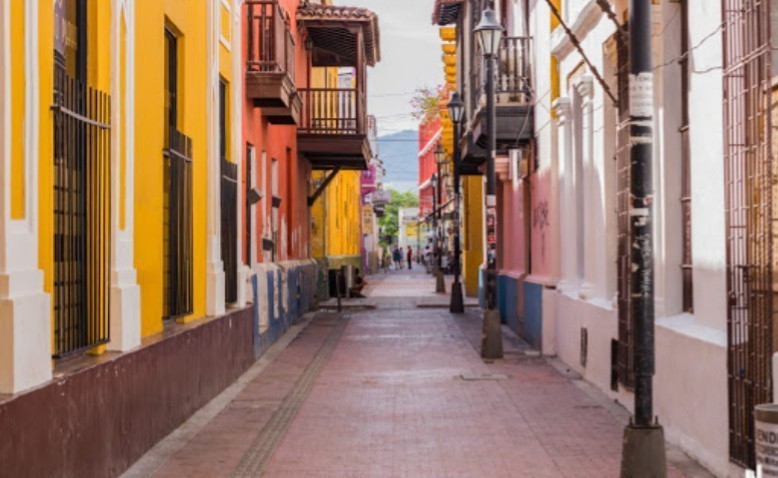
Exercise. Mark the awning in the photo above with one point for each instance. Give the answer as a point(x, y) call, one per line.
point(446, 12)
point(333, 31)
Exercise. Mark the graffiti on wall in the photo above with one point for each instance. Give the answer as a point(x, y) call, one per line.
point(540, 223)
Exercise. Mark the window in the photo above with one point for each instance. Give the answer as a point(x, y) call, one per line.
point(229, 202)
point(177, 216)
point(626, 344)
point(81, 191)
point(686, 177)
point(171, 83)
point(250, 213)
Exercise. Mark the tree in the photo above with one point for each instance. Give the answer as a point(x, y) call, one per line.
point(427, 103)
point(390, 222)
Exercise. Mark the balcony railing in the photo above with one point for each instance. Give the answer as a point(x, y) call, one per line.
point(270, 40)
point(512, 75)
point(333, 111)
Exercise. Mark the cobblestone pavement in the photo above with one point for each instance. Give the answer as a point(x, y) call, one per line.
point(399, 391)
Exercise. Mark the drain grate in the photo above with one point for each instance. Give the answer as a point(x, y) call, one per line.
point(474, 377)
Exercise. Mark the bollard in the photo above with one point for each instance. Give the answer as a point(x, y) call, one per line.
point(766, 438)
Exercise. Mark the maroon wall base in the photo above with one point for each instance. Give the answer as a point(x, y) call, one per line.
point(97, 421)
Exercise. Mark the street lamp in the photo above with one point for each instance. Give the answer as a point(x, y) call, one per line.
point(489, 35)
point(434, 218)
point(440, 159)
point(456, 109)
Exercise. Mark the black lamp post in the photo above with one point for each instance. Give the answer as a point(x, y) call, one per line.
point(456, 109)
point(440, 159)
point(489, 35)
point(434, 215)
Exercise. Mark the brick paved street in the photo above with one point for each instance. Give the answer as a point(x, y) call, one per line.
point(399, 391)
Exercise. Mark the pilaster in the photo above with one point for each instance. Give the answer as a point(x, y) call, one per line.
point(215, 279)
point(25, 309)
point(593, 222)
point(125, 323)
point(562, 109)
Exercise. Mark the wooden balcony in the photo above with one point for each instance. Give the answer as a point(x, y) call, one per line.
point(513, 97)
point(270, 66)
point(332, 132)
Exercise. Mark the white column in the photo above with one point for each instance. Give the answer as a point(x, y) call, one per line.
point(239, 149)
point(214, 304)
point(25, 309)
point(593, 221)
point(567, 208)
point(125, 294)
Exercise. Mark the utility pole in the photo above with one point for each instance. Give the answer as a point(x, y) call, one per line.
point(643, 454)
point(489, 34)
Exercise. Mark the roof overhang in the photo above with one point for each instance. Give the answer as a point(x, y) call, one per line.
point(333, 29)
point(446, 12)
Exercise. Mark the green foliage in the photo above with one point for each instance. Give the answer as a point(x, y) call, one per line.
point(390, 223)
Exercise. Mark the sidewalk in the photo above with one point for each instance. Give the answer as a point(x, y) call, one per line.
point(399, 391)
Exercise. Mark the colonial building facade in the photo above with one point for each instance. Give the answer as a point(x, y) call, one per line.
point(156, 167)
point(563, 190)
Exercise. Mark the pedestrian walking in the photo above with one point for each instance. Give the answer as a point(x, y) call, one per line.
point(398, 258)
point(410, 258)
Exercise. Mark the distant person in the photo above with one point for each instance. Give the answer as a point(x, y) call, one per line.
point(410, 258)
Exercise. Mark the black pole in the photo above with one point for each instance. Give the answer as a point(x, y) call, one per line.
point(439, 215)
point(434, 226)
point(440, 282)
point(491, 197)
point(491, 344)
point(457, 305)
point(641, 114)
point(644, 447)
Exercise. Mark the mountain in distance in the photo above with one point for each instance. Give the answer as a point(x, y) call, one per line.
point(399, 153)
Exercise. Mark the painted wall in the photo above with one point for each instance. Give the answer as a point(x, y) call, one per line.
point(276, 143)
point(472, 239)
point(192, 26)
point(344, 215)
point(579, 151)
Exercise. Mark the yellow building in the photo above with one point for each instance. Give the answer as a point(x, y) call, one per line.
point(335, 138)
point(471, 188)
point(111, 173)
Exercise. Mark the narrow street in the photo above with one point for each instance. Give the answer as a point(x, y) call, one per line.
point(399, 390)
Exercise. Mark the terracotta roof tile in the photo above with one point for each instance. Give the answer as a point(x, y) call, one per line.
point(442, 11)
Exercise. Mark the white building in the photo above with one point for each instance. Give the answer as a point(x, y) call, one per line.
point(582, 160)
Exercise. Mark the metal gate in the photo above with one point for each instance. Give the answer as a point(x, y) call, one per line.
point(749, 216)
point(229, 239)
point(624, 359)
point(82, 156)
point(178, 226)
